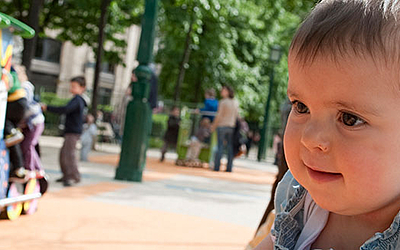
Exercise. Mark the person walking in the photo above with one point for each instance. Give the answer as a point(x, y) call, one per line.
point(171, 135)
point(73, 129)
point(224, 123)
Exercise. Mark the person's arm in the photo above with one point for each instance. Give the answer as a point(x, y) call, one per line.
point(206, 105)
point(220, 111)
point(266, 244)
point(71, 106)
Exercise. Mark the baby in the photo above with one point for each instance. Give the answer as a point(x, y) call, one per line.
point(342, 140)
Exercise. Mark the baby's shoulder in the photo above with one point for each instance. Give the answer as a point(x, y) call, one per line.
point(286, 191)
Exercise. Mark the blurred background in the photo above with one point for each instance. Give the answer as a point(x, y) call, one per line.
point(198, 45)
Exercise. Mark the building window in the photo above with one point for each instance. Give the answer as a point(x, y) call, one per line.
point(48, 50)
point(107, 67)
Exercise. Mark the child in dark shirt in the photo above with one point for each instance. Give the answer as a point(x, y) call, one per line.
point(171, 136)
point(73, 129)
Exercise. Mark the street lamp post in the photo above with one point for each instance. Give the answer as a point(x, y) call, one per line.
point(275, 57)
point(138, 113)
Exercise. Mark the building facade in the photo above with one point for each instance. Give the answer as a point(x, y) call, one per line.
point(55, 63)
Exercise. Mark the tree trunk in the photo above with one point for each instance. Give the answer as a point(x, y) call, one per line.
point(99, 55)
point(30, 44)
point(197, 86)
point(185, 60)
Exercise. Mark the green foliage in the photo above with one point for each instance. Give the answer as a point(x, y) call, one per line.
point(159, 125)
point(105, 108)
point(155, 142)
point(52, 99)
point(230, 44)
point(77, 21)
point(52, 120)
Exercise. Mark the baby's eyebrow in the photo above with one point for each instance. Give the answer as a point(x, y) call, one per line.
point(363, 109)
point(290, 93)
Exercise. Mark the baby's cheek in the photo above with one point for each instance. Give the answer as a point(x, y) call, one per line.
point(361, 166)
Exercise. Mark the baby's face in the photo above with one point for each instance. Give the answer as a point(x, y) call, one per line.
point(342, 141)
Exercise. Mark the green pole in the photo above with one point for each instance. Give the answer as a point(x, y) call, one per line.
point(262, 147)
point(138, 113)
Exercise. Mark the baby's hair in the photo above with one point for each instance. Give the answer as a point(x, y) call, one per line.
point(210, 92)
point(362, 28)
point(80, 80)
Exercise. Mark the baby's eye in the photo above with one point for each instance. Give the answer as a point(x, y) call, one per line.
point(351, 120)
point(299, 107)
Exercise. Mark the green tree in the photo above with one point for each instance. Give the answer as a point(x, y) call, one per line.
point(229, 43)
point(77, 21)
point(81, 22)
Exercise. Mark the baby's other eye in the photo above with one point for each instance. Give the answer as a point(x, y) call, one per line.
point(351, 120)
point(299, 107)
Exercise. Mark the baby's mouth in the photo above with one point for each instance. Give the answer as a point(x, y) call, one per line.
point(322, 176)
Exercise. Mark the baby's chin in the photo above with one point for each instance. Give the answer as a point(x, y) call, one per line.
point(336, 205)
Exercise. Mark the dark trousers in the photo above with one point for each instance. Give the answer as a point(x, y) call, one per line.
point(68, 162)
point(225, 138)
point(165, 147)
point(14, 114)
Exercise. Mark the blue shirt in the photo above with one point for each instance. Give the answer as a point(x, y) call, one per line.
point(289, 208)
point(210, 105)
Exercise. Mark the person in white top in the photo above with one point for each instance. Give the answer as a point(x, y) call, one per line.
point(224, 123)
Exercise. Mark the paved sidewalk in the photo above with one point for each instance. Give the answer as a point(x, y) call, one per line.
point(173, 208)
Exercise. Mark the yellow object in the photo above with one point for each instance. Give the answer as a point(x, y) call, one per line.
point(18, 94)
point(264, 230)
point(29, 189)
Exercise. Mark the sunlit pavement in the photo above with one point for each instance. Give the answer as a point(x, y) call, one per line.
point(173, 208)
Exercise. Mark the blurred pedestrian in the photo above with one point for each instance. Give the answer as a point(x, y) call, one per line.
point(32, 127)
point(210, 105)
point(171, 135)
point(17, 107)
point(89, 132)
point(224, 123)
point(249, 142)
point(73, 129)
point(197, 142)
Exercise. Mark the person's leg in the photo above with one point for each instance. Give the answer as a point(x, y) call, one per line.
point(191, 152)
point(31, 139)
point(220, 149)
point(85, 150)
point(71, 170)
point(196, 149)
point(26, 147)
point(229, 145)
point(16, 160)
point(63, 161)
point(37, 163)
point(163, 150)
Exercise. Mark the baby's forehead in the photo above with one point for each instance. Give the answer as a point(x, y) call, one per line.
point(351, 70)
point(346, 62)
